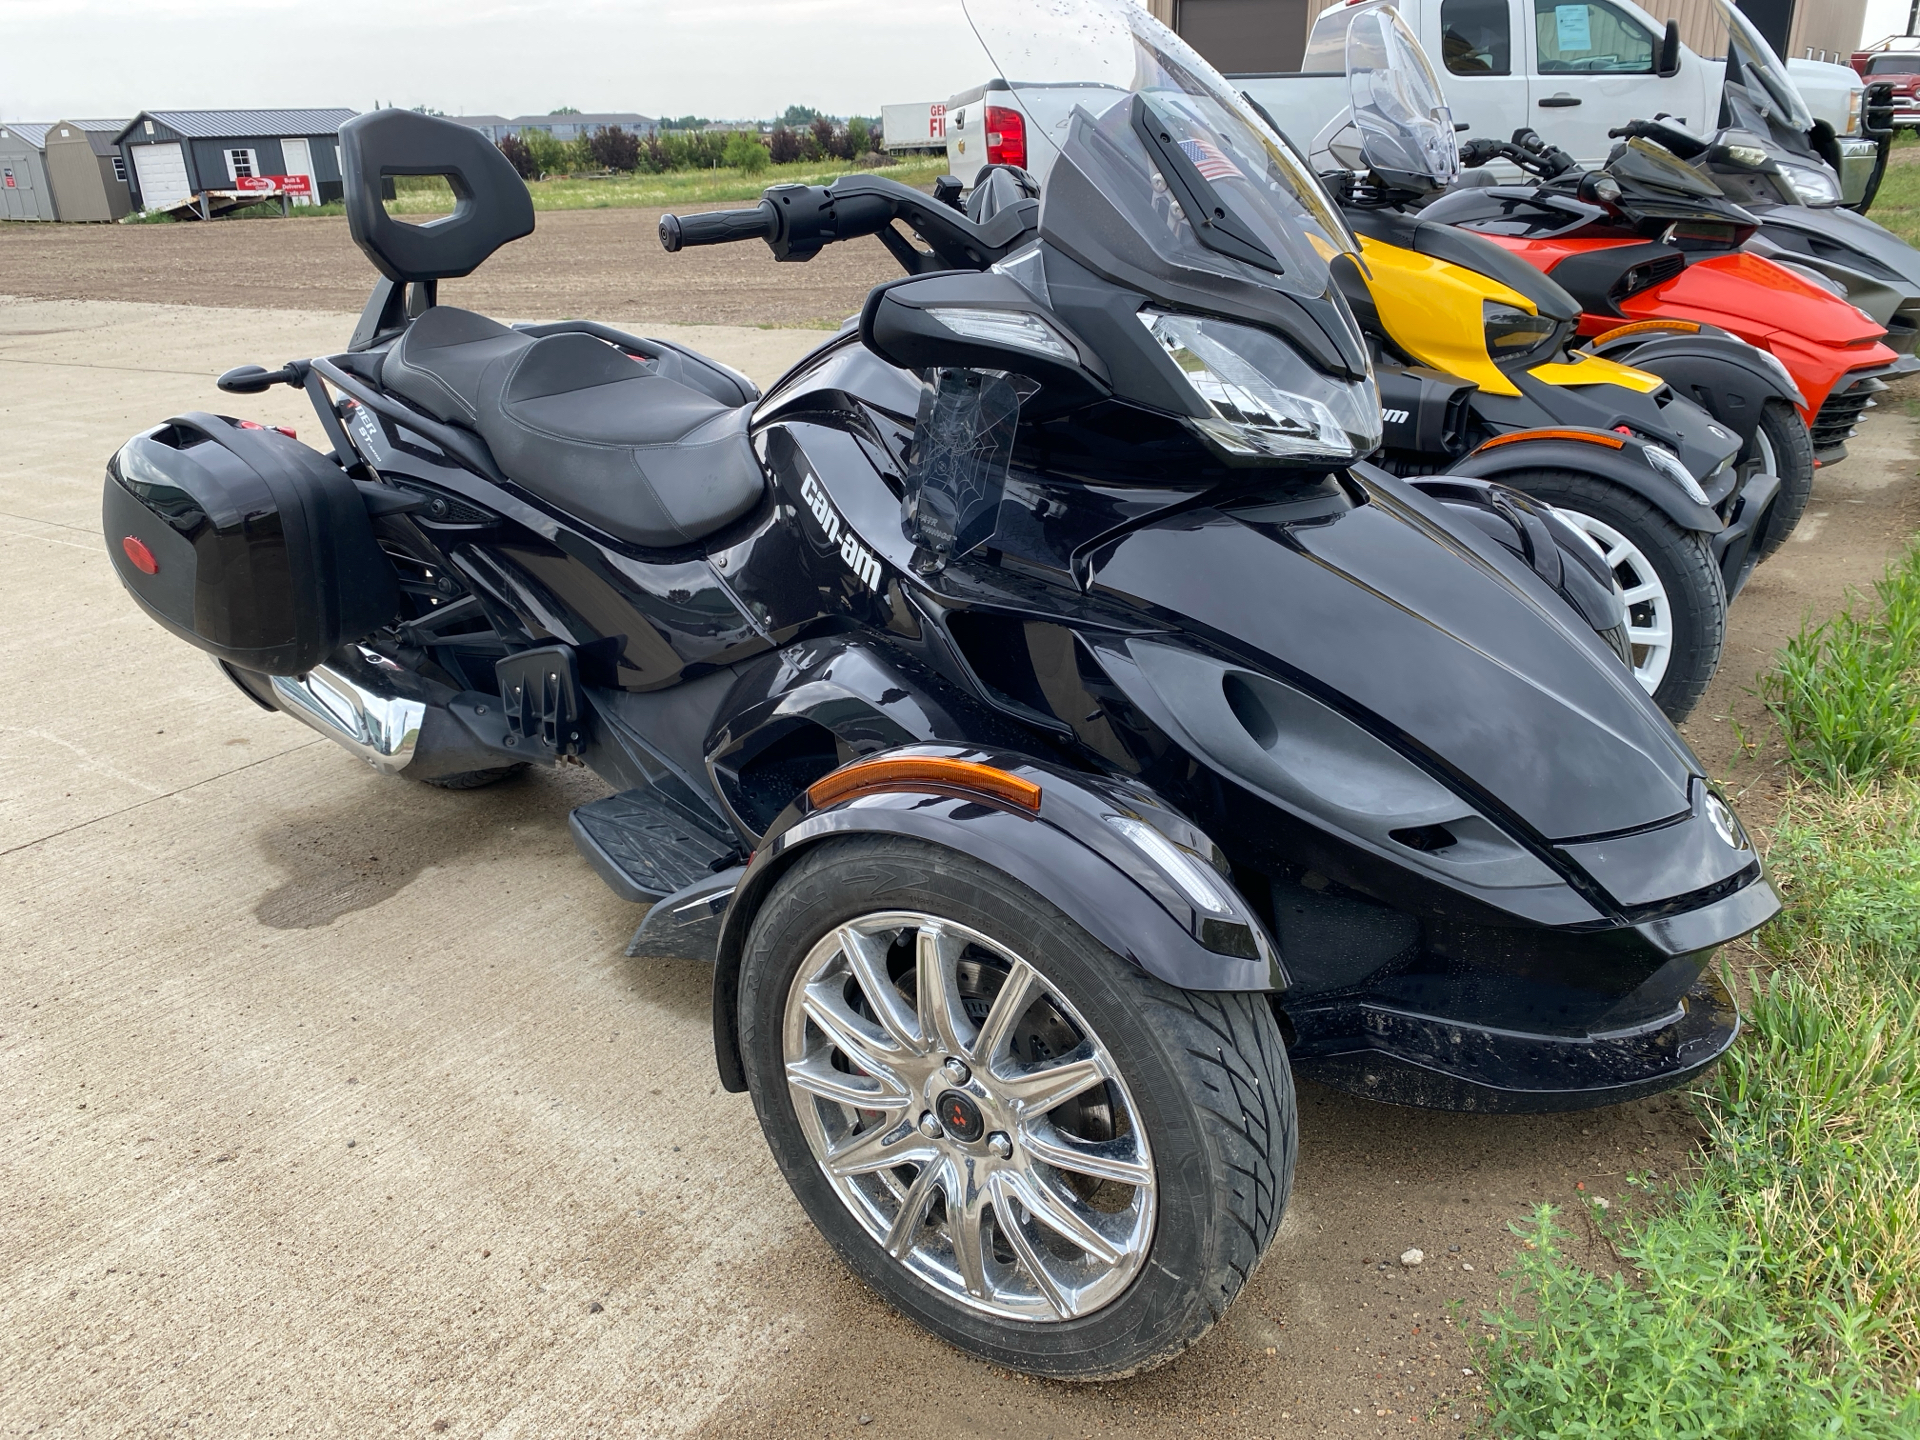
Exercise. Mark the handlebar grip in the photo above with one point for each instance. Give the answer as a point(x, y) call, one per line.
point(718, 227)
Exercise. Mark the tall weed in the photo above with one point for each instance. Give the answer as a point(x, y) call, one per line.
point(1777, 1294)
point(1847, 692)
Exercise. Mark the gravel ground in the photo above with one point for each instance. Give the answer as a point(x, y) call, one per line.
point(576, 263)
point(329, 1104)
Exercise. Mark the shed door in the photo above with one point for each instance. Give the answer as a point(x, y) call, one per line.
point(16, 188)
point(296, 158)
point(162, 172)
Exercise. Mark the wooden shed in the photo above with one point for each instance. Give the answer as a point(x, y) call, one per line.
point(24, 192)
point(87, 171)
point(173, 156)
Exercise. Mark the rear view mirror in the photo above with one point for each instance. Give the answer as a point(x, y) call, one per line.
point(981, 322)
point(1669, 65)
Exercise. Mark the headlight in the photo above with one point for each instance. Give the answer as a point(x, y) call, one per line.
point(1779, 367)
point(1856, 102)
point(1668, 464)
point(1514, 334)
point(1017, 328)
point(1197, 880)
point(1812, 183)
point(1266, 401)
point(1752, 156)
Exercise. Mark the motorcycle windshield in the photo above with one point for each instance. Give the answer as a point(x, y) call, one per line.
point(1758, 94)
point(1405, 126)
point(1641, 163)
point(1168, 142)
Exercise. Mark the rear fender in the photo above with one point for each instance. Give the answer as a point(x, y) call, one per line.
point(1066, 852)
point(1620, 459)
point(1725, 376)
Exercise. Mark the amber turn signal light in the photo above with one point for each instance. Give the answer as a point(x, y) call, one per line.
point(1590, 437)
point(925, 772)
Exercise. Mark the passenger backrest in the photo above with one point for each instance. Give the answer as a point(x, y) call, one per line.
point(491, 204)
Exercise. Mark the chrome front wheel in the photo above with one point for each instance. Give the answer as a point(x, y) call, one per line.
point(968, 1117)
point(976, 1102)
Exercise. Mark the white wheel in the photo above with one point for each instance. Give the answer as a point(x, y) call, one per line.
point(1649, 608)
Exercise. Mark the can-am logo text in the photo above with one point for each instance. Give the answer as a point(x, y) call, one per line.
point(860, 560)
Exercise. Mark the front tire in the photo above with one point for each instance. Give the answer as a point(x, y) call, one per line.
point(1111, 1156)
point(1676, 601)
point(1782, 446)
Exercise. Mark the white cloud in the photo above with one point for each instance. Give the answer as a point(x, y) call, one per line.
point(721, 58)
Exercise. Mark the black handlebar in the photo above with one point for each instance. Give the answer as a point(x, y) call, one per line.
point(797, 221)
point(719, 227)
point(1684, 145)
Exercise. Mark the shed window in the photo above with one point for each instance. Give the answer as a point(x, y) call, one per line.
point(240, 164)
point(120, 168)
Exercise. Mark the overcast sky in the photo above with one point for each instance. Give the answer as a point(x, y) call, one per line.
point(77, 59)
point(726, 59)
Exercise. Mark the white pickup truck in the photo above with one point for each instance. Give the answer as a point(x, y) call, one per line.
point(1571, 71)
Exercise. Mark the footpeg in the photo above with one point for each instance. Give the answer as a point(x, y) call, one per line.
point(647, 847)
point(540, 691)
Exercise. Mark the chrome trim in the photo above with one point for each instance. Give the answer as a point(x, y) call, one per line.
point(381, 729)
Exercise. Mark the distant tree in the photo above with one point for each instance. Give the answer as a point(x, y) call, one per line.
point(745, 153)
point(520, 157)
point(554, 156)
point(686, 122)
point(798, 117)
point(564, 110)
point(614, 149)
point(825, 142)
point(427, 110)
point(859, 137)
point(783, 146)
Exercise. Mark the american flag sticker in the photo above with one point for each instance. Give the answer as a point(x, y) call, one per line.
point(1208, 160)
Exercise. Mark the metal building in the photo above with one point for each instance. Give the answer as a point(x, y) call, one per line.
point(86, 170)
point(575, 126)
point(174, 156)
point(24, 192)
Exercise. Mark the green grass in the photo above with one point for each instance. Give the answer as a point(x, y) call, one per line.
point(1847, 692)
point(1897, 205)
point(430, 196)
point(1776, 1293)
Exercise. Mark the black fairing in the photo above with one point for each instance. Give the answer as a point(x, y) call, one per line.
point(1078, 218)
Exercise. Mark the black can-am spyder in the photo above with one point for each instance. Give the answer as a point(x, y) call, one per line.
point(1041, 720)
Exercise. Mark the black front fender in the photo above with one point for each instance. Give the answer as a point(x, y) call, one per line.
point(1507, 458)
point(1721, 373)
point(1067, 853)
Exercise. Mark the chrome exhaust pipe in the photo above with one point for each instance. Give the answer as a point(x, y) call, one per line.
point(382, 730)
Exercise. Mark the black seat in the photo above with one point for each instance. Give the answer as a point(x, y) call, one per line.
point(437, 363)
point(626, 444)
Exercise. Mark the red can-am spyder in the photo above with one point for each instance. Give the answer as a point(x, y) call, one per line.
point(1649, 246)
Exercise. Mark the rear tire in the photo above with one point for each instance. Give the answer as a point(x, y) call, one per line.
point(1196, 1112)
point(473, 779)
point(1781, 442)
point(1676, 602)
